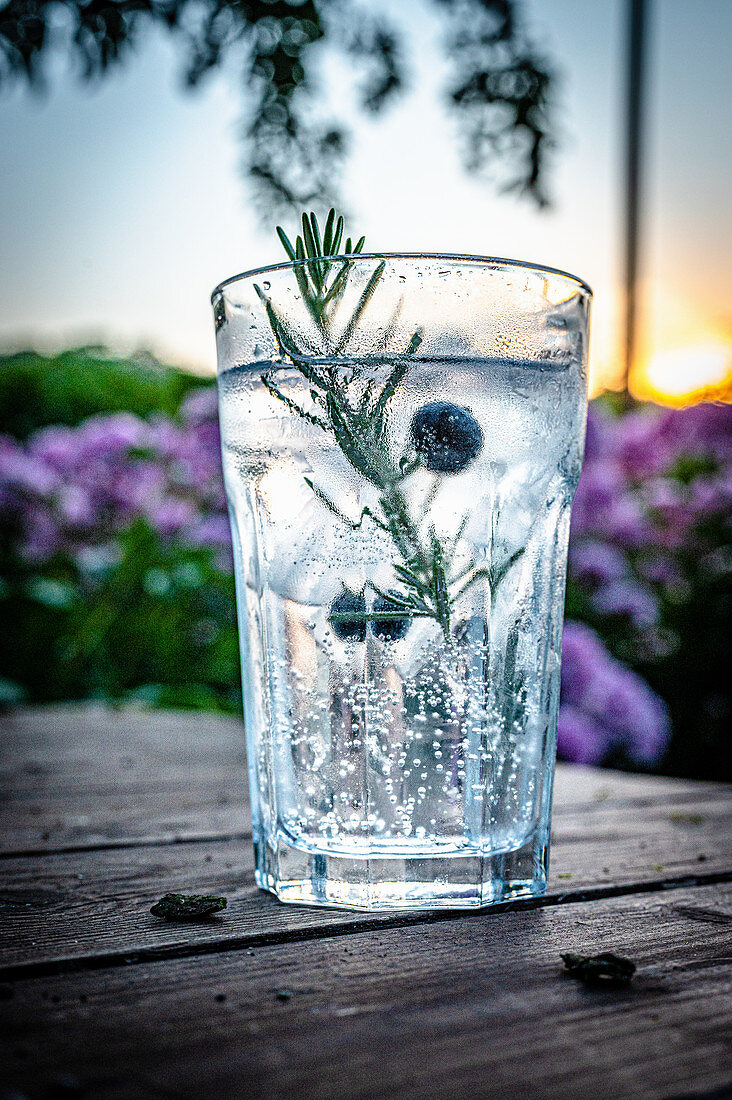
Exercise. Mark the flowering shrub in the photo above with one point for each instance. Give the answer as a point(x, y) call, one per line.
point(605, 706)
point(650, 565)
point(653, 506)
point(117, 567)
point(74, 491)
point(116, 561)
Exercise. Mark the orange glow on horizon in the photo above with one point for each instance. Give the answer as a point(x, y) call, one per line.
point(686, 375)
point(684, 352)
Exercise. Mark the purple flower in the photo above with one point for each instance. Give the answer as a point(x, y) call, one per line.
point(166, 437)
point(56, 447)
point(24, 473)
point(134, 488)
point(71, 489)
point(598, 439)
point(711, 498)
point(213, 531)
point(650, 440)
point(661, 569)
point(580, 739)
point(594, 563)
point(642, 443)
point(667, 502)
point(627, 599)
point(200, 405)
point(632, 712)
point(42, 537)
point(609, 704)
point(596, 494)
point(604, 506)
point(171, 516)
point(583, 656)
point(702, 429)
point(635, 525)
point(108, 436)
point(76, 507)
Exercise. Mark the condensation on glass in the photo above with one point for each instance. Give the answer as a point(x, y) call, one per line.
point(398, 757)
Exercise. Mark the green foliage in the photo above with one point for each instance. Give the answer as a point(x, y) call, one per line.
point(157, 629)
point(693, 676)
point(154, 623)
point(36, 390)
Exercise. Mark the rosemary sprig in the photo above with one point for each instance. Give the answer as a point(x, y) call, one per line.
point(430, 586)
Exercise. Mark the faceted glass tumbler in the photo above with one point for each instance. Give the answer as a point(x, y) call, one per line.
point(402, 437)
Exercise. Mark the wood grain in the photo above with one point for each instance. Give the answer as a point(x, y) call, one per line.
point(85, 776)
point(82, 776)
point(105, 810)
point(474, 1006)
point(73, 906)
point(90, 905)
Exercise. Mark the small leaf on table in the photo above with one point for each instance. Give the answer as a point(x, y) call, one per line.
point(603, 969)
point(187, 906)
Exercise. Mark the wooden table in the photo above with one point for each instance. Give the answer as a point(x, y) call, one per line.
point(107, 810)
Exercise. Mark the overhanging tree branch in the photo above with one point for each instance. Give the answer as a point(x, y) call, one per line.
point(500, 93)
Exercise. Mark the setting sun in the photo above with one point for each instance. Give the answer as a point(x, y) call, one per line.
point(687, 373)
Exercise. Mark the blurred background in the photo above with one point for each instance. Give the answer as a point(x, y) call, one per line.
point(148, 149)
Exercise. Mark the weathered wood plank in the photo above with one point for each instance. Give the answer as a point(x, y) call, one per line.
point(468, 1007)
point(87, 775)
point(82, 776)
point(69, 906)
point(611, 830)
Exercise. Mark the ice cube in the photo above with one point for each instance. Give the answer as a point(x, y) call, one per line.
point(315, 556)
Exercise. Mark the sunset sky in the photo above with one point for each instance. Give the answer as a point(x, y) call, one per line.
point(122, 204)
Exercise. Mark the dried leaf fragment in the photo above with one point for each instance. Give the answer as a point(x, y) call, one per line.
point(603, 969)
point(187, 906)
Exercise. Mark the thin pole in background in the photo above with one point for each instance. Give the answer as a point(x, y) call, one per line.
point(636, 46)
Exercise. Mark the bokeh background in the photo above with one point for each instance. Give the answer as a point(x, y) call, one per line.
point(148, 148)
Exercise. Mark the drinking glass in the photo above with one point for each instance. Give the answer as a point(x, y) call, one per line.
point(402, 437)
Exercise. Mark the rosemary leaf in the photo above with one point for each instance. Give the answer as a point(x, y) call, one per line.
point(338, 284)
point(354, 524)
point(345, 440)
point(421, 565)
point(415, 341)
point(328, 232)
point(286, 243)
point(312, 251)
point(439, 585)
point(392, 597)
point(497, 574)
point(293, 405)
point(390, 388)
point(272, 318)
point(337, 237)
point(315, 230)
point(362, 303)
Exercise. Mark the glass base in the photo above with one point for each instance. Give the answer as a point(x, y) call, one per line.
point(469, 880)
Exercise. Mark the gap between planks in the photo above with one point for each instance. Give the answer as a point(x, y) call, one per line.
point(365, 923)
point(123, 845)
point(456, 1010)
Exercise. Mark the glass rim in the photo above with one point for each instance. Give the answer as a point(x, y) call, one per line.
point(456, 257)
